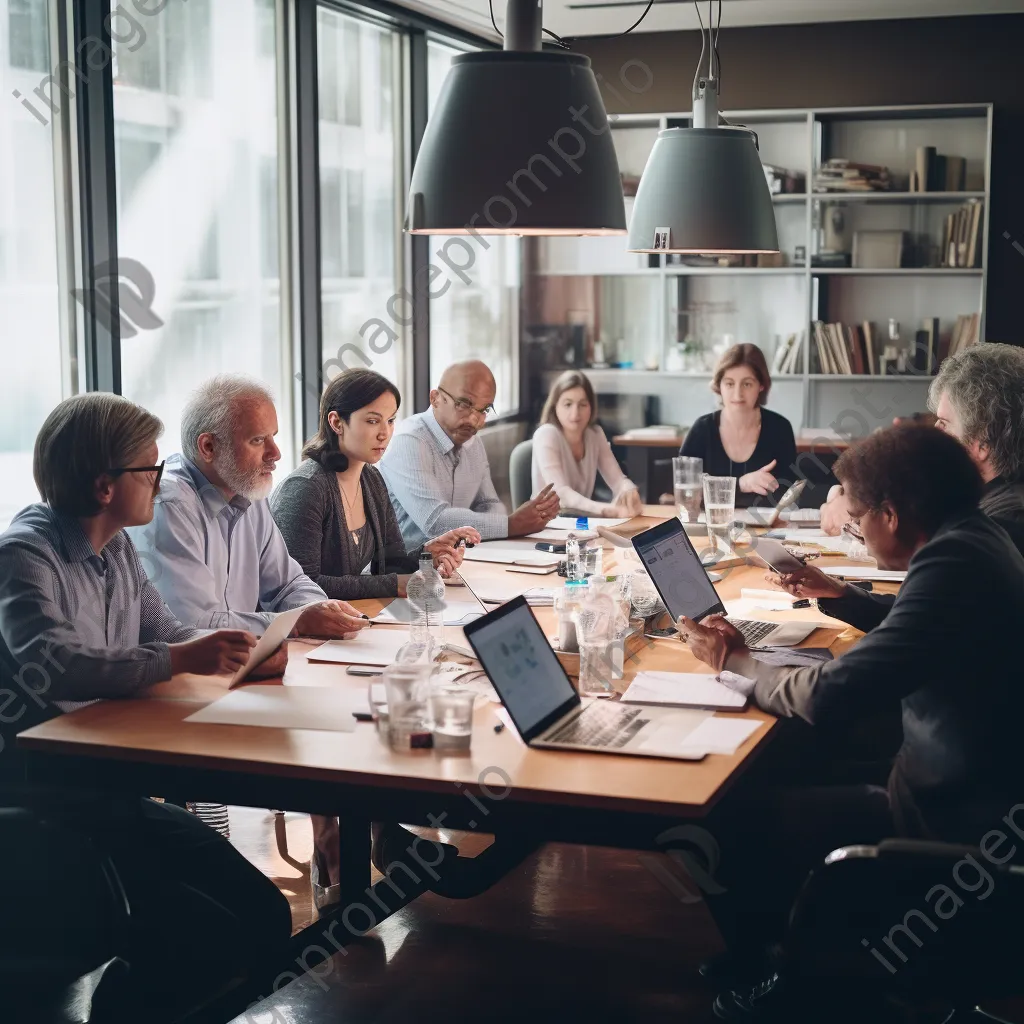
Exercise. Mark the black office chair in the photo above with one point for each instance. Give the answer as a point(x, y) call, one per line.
point(63, 917)
point(862, 924)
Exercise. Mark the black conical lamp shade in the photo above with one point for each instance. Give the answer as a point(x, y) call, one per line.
point(519, 144)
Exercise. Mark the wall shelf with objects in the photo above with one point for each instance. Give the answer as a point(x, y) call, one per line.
point(883, 227)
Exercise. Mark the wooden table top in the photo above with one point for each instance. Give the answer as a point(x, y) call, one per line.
point(805, 442)
point(152, 729)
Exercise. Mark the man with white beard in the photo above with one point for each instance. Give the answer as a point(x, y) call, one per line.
point(212, 548)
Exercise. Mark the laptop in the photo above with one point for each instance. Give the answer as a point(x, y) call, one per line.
point(676, 570)
point(545, 707)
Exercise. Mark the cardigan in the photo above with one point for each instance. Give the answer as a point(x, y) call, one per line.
point(308, 509)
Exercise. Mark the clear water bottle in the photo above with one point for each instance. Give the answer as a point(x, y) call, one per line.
point(425, 592)
point(573, 562)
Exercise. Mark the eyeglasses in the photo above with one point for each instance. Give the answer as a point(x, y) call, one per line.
point(463, 405)
point(159, 470)
point(852, 526)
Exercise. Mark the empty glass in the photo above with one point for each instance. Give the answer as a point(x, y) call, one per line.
point(452, 712)
point(592, 558)
point(687, 476)
point(407, 687)
point(597, 625)
point(645, 596)
point(566, 601)
point(719, 509)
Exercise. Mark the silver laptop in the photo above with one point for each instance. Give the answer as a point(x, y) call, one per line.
point(676, 570)
point(547, 710)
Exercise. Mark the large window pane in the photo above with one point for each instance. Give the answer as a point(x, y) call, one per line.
point(30, 384)
point(479, 320)
point(195, 111)
point(359, 211)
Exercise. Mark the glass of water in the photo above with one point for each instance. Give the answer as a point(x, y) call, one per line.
point(407, 690)
point(452, 711)
point(686, 479)
point(719, 509)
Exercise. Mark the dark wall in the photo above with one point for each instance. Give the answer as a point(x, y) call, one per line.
point(852, 64)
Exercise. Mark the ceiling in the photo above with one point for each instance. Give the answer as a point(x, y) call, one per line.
point(612, 17)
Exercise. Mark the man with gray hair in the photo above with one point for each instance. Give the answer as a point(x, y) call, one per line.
point(978, 397)
point(213, 549)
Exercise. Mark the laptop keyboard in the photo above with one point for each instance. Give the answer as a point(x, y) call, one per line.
point(753, 631)
point(601, 725)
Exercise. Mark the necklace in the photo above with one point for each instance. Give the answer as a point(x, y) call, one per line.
point(350, 505)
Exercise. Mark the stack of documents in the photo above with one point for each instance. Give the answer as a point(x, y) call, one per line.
point(683, 690)
point(456, 613)
point(509, 554)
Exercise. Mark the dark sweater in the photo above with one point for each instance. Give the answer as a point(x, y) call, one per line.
point(308, 509)
point(948, 647)
point(776, 441)
point(1003, 501)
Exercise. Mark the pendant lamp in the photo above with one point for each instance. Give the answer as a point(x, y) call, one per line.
point(518, 144)
point(704, 189)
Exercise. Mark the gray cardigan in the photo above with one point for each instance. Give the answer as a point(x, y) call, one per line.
point(308, 510)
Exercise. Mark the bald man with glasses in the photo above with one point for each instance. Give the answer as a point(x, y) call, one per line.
point(437, 471)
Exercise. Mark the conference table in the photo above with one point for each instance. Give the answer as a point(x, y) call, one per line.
point(144, 747)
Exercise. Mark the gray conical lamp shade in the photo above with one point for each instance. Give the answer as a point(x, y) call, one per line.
point(519, 144)
point(703, 191)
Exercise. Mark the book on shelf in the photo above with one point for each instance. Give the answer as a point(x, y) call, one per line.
point(965, 333)
point(961, 236)
point(937, 172)
point(850, 349)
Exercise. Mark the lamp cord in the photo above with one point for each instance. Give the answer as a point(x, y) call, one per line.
point(564, 42)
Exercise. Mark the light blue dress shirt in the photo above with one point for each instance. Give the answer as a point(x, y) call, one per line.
point(436, 486)
point(218, 564)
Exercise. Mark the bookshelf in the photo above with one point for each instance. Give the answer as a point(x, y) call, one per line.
point(644, 306)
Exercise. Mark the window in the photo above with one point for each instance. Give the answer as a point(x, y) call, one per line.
point(479, 320)
point(195, 130)
point(30, 42)
point(33, 364)
point(360, 212)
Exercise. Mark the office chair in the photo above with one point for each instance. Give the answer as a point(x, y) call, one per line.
point(872, 915)
point(520, 472)
point(63, 916)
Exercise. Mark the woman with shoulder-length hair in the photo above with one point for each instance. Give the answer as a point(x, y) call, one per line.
point(743, 439)
point(334, 511)
point(570, 449)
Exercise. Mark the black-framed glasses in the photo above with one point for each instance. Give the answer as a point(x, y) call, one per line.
point(159, 470)
point(464, 405)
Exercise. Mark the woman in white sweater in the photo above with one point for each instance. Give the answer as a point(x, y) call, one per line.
point(569, 449)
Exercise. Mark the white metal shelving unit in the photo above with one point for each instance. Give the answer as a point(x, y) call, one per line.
point(800, 140)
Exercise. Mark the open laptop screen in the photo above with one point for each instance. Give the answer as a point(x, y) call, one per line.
point(675, 569)
point(525, 670)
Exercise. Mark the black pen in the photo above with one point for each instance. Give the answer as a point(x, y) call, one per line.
point(368, 619)
point(499, 727)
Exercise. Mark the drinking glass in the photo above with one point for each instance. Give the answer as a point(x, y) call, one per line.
point(452, 712)
point(566, 601)
point(378, 700)
point(686, 479)
point(592, 560)
point(719, 509)
point(596, 627)
point(646, 599)
point(407, 687)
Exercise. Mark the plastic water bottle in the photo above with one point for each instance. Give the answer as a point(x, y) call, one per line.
point(425, 592)
point(573, 562)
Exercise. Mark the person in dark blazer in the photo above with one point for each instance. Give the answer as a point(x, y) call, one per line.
point(334, 511)
point(743, 439)
point(337, 520)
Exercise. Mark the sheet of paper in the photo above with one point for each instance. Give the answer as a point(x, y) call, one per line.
point(565, 523)
point(373, 646)
point(280, 626)
point(492, 592)
point(558, 536)
point(865, 572)
point(285, 707)
point(794, 657)
point(456, 613)
point(718, 735)
point(690, 688)
point(508, 555)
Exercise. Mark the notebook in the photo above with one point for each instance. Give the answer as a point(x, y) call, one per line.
point(683, 690)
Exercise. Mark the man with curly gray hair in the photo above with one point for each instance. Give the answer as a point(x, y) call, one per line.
point(978, 397)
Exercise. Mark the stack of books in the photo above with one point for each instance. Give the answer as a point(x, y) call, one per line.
point(845, 348)
point(961, 236)
point(841, 175)
point(787, 355)
point(965, 333)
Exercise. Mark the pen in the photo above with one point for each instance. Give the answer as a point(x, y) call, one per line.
point(499, 727)
point(368, 619)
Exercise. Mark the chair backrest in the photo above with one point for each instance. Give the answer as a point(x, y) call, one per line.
point(520, 472)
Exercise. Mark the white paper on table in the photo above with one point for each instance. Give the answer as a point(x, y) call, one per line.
point(277, 632)
point(865, 572)
point(682, 689)
point(401, 612)
point(492, 592)
point(720, 735)
point(285, 707)
point(370, 646)
point(566, 523)
point(510, 555)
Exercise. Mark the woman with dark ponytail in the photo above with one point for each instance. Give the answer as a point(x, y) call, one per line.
point(334, 510)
